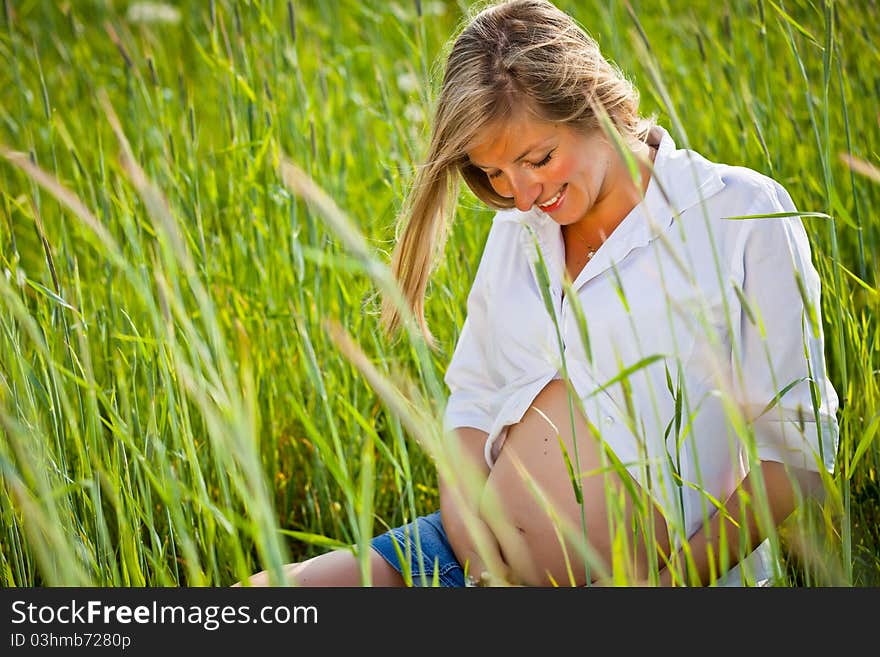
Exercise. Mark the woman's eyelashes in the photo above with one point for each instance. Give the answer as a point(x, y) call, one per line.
point(538, 165)
point(533, 165)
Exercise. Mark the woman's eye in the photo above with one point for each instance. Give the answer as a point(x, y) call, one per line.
point(538, 165)
point(534, 165)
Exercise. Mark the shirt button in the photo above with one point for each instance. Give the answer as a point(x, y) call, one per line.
point(609, 419)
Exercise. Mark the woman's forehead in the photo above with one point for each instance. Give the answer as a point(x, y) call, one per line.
point(509, 139)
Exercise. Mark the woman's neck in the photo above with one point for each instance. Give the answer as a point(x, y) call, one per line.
point(617, 197)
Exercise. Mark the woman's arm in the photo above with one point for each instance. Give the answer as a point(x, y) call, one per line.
point(707, 545)
point(460, 493)
point(779, 378)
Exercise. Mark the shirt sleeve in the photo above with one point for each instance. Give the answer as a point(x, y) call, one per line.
point(781, 376)
point(468, 376)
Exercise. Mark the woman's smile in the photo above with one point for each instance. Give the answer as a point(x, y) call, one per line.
point(554, 203)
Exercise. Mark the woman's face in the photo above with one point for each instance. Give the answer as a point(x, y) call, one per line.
point(554, 167)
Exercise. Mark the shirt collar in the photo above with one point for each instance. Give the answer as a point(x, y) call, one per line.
point(682, 179)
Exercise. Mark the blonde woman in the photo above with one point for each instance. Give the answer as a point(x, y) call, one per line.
point(638, 391)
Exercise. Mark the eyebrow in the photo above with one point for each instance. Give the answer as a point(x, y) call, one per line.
point(526, 152)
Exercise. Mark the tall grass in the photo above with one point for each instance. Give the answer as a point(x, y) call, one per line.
point(193, 384)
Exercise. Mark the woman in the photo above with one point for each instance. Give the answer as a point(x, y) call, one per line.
point(635, 365)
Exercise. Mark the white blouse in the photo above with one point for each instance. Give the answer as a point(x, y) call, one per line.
point(715, 320)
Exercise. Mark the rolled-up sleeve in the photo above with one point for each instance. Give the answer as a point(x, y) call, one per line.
point(781, 377)
point(471, 387)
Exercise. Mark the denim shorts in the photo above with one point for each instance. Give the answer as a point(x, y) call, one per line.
point(437, 556)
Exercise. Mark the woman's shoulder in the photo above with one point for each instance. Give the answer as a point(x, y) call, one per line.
point(741, 187)
point(744, 199)
point(752, 191)
point(692, 180)
point(744, 207)
point(506, 235)
point(502, 236)
point(753, 206)
point(756, 215)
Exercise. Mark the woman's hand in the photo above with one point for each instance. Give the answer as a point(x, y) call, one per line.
point(781, 487)
point(462, 480)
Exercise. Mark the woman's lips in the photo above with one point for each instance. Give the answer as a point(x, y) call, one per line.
point(553, 204)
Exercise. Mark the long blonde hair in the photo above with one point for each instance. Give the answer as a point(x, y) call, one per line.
point(511, 57)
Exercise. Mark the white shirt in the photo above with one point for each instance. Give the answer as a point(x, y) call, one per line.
point(715, 302)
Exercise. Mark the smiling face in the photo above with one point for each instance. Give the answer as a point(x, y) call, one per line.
point(563, 172)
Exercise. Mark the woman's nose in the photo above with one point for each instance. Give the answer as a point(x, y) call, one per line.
point(525, 192)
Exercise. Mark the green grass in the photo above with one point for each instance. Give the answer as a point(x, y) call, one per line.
point(173, 407)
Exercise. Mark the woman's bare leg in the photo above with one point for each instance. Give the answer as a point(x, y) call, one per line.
point(336, 568)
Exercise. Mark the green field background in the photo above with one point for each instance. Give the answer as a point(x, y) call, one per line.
point(173, 408)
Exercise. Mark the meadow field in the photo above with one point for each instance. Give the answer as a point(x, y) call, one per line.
point(197, 205)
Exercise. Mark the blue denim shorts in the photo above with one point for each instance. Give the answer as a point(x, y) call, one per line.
point(437, 556)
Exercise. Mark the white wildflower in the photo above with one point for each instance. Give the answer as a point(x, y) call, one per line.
point(413, 113)
point(152, 12)
point(407, 82)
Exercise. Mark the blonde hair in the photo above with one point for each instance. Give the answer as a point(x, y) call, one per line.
point(511, 57)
